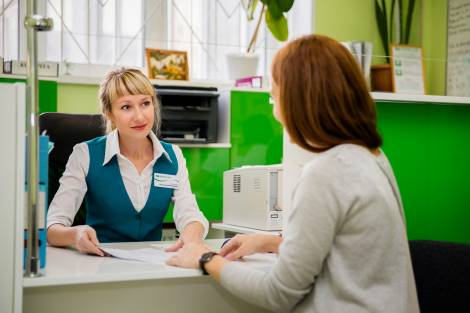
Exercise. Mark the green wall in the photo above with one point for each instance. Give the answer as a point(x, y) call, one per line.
point(435, 45)
point(346, 20)
point(77, 98)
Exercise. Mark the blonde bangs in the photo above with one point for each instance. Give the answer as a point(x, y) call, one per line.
point(128, 84)
point(125, 82)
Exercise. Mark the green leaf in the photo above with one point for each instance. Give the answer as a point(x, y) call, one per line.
point(409, 18)
point(400, 18)
point(250, 7)
point(381, 17)
point(278, 27)
point(274, 9)
point(285, 5)
point(391, 22)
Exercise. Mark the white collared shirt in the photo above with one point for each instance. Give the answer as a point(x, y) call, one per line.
point(73, 185)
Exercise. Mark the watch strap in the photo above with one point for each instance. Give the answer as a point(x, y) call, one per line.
point(206, 257)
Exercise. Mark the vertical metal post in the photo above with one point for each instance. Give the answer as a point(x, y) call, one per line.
point(32, 23)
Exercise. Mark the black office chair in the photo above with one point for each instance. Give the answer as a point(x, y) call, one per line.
point(65, 130)
point(442, 274)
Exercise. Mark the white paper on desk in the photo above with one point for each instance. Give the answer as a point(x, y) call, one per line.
point(148, 255)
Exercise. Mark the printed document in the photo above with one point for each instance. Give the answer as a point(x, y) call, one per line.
point(148, 255)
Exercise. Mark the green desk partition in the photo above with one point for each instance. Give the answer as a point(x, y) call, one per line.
point(206, 167)
point(256, 139)
point(47, 93)
point(429, 148)
point(255, 135)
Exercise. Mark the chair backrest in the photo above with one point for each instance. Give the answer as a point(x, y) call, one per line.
point(442, 274)
point(66, 130)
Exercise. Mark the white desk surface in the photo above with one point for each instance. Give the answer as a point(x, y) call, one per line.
point(77, 283)
point(243, 230)
point(66, 266)
point(69, 267)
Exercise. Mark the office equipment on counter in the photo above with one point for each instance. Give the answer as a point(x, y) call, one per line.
point(253, 197)
point(189, 114)
point(42, 203)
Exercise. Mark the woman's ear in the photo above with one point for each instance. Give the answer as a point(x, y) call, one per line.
point(110, 120)
point(109, 116)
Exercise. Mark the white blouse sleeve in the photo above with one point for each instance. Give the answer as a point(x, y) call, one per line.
point(72, 188)
point(186, 209)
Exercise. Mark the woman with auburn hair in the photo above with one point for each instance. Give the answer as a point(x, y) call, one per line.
point(345, 247)
point(128, 177)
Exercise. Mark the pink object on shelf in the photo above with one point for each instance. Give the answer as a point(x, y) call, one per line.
point(250, 82)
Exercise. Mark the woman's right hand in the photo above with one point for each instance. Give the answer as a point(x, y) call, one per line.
point(243, 245)
point(86, 240)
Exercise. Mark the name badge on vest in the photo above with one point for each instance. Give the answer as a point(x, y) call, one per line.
point(165, 181)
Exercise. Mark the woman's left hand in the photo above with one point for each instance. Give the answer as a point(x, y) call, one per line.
point(188, 256)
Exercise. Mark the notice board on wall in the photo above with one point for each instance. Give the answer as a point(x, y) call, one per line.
point(458, 48)
point(407, 69)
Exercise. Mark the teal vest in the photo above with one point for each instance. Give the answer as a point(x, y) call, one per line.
point(109, 209)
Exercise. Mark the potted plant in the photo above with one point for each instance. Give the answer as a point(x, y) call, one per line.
point(393, 28)
point(273, 11)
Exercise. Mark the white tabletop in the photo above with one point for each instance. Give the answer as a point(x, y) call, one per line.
point(243, 230)
point(65, 266)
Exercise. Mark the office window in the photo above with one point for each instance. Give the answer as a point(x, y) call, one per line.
point(210, 29)
point(98, 34)
point(9, 13)
point(105, 32)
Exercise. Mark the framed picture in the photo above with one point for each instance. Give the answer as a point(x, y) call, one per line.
point(167, 64)
point(408, 69)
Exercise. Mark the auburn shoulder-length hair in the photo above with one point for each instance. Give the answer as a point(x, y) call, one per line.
point(324, 100)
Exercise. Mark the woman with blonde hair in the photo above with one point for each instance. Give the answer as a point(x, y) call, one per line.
point(128, 177)
point(345, 247)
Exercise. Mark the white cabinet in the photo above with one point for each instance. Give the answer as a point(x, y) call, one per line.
point(12, 162)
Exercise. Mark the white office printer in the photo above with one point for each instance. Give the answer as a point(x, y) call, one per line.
point(253, 197)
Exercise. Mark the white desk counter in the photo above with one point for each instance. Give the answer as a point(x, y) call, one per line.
point(243, 230)
point(79, 283)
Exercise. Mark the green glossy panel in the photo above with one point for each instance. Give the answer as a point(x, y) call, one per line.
point(206, 167)
point(427, 145)
point(47, 96)
point(47, 93)
point(256, 137)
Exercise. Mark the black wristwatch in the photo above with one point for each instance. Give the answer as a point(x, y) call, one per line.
point(206, 257)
